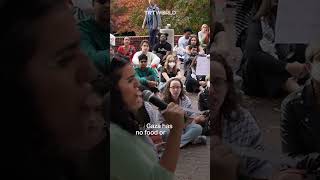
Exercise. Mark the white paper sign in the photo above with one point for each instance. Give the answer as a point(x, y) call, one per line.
point(203, 65)
point(297, 21)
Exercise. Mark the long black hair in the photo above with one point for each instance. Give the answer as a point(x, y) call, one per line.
point(29, 154)
point(120, 114)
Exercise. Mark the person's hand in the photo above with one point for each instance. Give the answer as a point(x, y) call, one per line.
point(224, 164)
point(174, 115)
point(289, 174)
point(152, 84)
point(297, 69)
point(202, 83)
point(160, 146)
point(199, 119)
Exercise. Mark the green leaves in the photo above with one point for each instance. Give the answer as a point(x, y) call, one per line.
point(128, 15)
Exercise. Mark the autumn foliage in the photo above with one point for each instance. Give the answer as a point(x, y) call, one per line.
point(127, 15)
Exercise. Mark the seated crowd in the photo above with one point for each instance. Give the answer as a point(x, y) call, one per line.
point(287, 71)
point(158, 69)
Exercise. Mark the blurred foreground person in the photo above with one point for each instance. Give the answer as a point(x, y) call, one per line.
point(47, 94)
point(233, 124)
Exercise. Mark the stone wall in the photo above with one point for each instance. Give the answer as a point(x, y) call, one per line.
point(136, 40)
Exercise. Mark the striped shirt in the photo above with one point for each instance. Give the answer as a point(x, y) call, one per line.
point(245, 10)
point(242, 130)
point(78, 14)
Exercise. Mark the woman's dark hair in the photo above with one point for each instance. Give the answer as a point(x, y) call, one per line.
point(231, 102)
point(198, 42)
point(120, 114)
point(31, 152)
point(167, 95)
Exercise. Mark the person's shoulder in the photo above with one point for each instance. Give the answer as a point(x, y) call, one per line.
point(164, 69)
point(137, 69)
point(137, 53)
point(186, 99)
point(116, 132)
point(86, 24)
point(245, 114)
point(156, 45)
point(293, 98)
point(247, 121)
point(132, 46)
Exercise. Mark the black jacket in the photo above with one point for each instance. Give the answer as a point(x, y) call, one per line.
point(300, 123)
point(203, 102)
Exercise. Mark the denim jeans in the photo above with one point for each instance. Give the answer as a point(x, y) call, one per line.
point(190, 133)
point(153, 37)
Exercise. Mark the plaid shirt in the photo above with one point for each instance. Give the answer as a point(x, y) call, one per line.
point(241, 129)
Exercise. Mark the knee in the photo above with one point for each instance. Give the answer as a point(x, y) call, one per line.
point(197, 129)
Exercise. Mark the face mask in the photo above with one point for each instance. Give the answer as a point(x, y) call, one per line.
point(315, 71)
point(208, 84)
point(171, 64)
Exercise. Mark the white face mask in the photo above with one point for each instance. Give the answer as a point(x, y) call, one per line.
point(315, 71)
point(171, 64)
point(208, 84)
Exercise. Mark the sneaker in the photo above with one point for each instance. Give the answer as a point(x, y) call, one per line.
point(200, 140)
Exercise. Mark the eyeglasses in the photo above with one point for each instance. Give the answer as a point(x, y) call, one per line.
point(175, 87)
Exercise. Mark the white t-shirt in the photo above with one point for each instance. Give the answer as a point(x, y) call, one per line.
point(183, 42)
point(153, 59)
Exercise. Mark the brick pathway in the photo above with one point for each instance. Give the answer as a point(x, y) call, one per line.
point(194, 160)
point(194, 163)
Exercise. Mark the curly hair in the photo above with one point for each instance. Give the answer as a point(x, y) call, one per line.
point(194, 36)
point(167, 94)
